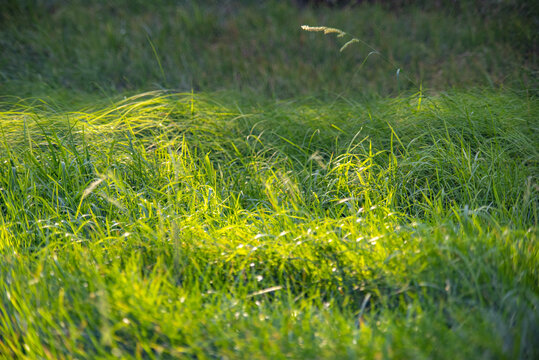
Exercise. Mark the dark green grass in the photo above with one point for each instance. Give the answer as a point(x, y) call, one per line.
point(257, 47)
point(181, 225)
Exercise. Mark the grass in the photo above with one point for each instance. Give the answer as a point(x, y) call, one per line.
point(340, 222)
point(255, 47)
point(176, 225)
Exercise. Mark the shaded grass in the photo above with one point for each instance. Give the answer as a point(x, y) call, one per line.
point(169, 225)
point(255, 47)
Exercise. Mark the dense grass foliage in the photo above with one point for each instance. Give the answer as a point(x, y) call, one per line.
point(257, 46)
point(286, 200)
point(170, 225)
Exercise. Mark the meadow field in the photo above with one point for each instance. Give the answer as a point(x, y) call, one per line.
point(204, 179)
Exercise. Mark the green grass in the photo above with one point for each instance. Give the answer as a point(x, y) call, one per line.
point(281, 201)
point(179, 225)
point(256, 47)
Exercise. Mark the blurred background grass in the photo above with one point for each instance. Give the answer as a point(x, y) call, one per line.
point(257, 47)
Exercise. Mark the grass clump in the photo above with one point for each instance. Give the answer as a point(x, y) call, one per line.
point(184, 225)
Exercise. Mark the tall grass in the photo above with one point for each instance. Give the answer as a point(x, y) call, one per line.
point(188, 225)
point(231, 224)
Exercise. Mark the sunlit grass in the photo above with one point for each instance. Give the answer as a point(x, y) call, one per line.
point(170, 225)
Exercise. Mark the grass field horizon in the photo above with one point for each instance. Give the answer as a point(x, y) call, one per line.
point(181, 180)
